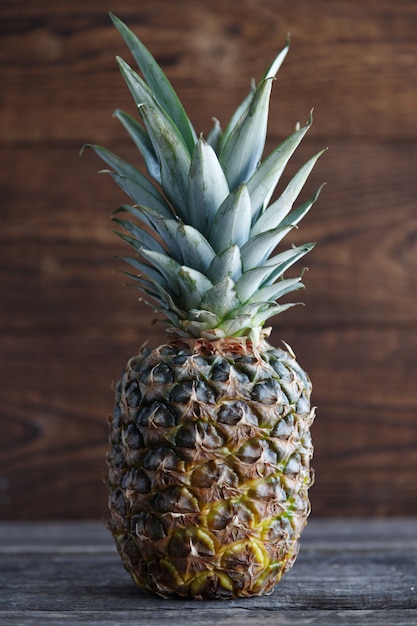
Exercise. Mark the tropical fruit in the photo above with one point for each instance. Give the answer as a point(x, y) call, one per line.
point(209, 464)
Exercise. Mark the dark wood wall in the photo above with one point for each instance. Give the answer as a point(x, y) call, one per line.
point(68, 324)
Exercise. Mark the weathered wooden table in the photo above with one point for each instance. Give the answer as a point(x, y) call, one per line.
point(348, 572)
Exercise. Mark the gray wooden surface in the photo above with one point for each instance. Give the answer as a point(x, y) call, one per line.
point(348, 572)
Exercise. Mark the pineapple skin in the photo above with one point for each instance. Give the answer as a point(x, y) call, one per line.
point(209, 466)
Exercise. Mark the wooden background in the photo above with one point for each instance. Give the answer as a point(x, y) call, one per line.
point(67, 322)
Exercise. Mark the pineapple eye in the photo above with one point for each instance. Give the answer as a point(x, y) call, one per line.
point(148, 527)
point(117, 502)
point(294, 465)
point(136, 480)
point(186, 436)
point(132, 438)
point(132, 394)
point(221, 371)
point(161, 374)
point(231, 413)
point(155, 414)
point(214, 474)
point(174, 499)
point(284, 427)
point(220, 515)
point(268, 392)
point(250, 452)
point(185, 543)
point(243, 555)
point(196, 391)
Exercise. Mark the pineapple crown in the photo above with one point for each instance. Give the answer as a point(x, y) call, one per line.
point(201, 223)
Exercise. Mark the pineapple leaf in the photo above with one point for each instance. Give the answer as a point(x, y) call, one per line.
point(184, 242)
point(231, 224)
point(244, 146)
point(140, 194)
point(262, 183)
point(158, 83)
point(194, 286)
point(297, 215)
point(195, 249)
point(277, 290)
point(199, 321)
point(235, 325)
point(215, 136)
point(240, 111)
point(250, 281)
point(275, 309)
point(228, 263)
point(132, 241)
point(259, 247)
point(142, 142)
point(141, 235)
point(173, 156)
point(143, 268)
point(207, 186)
point(168, 267)
point(133, 182)
point(275, 214)
point(272, 70)
point(281, 262)
point(221, 299)
point(185, 283)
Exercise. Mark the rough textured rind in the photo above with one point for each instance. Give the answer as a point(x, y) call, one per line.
point(209, 466)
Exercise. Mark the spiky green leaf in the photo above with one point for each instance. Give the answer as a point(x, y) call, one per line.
point(141, 235)
point(297, 214)
point(195, 249)
point(272, 70)
point(258, 248)
point(263, 182)
point(167, 266)
point(276, 290)
point(239, 113)
point(232, 222)
point(221, 298)
point(142, 141)
point(186, 244)
point(158, 83)
point(207, 186)
point(194, 285)
point(174, 158)
point(250, 282)
point(153, 274)
point(214, 137)
point(260, 318)
point(276, 213)
point(244, 146)
point(228, 263)
point(133, 182)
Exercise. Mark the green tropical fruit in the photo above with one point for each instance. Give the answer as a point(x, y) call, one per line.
point(209, 464)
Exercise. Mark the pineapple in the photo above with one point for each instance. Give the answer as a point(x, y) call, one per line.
point(209, 465)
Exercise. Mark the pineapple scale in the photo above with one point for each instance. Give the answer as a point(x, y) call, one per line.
point(209, 467)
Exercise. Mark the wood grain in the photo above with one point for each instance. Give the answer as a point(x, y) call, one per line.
point(68, 324)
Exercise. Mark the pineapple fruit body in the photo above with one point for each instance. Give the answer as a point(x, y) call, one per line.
point(210, 466)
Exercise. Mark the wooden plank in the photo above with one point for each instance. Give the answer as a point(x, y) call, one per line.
point(222, 618)
point(358, 60)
